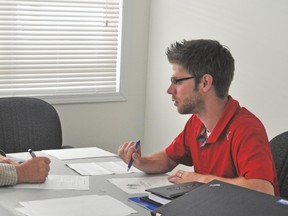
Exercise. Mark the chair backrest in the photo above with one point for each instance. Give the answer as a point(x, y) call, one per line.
point(279, 148)
point(28, 123)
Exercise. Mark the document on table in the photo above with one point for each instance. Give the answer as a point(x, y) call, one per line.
point(78, 153)
point(60, 182)
point(74, 206)
point(139, 184)
point(19, 156)
point(101, 168)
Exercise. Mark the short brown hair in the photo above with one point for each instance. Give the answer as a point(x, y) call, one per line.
point(201, 57)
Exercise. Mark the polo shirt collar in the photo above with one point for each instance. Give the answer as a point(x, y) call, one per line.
point(229, 111)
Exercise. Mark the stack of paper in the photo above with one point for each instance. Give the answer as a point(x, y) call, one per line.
point(78, 153)
point(140, 184)
point(90, 205)
point(60, 182)
point(101, 168)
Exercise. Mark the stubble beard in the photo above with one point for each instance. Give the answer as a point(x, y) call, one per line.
point(190, 105)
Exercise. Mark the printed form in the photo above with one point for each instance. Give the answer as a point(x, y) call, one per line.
point(59, 182)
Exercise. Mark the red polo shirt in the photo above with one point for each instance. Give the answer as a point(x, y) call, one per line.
point(237, 146)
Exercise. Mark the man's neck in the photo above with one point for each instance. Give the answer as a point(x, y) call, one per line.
point(212, 111)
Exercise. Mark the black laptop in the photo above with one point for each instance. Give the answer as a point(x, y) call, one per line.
point(217, 198)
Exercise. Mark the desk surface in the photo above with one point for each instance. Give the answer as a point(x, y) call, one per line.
point(10, 197)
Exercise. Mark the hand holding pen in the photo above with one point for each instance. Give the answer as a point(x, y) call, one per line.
point(136, 146)
point(34, 170)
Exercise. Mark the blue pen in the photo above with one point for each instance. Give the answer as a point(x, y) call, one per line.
point(131, 160)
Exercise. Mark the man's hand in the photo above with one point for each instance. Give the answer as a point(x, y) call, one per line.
point(127, 150)
point(34, 170)
point(183, 176)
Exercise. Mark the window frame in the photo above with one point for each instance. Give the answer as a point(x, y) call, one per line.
point(120, 94)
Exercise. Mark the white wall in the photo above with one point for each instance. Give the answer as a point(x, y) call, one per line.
point(107, 125)
point(256, 33)
point(254, 30)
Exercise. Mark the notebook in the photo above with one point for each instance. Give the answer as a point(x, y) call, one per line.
point(222, 199)
point(175, 190)
point(165, 194)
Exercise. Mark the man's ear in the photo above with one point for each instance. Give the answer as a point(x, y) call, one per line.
point(207, 81)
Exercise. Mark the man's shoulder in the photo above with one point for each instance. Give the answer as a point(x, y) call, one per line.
point(245, 117)
point(246, 124)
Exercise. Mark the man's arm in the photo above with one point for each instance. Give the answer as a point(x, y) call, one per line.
point(31, 171)
point(34, 170)
point(155, 163)
point(8, 174)
point(254, 184)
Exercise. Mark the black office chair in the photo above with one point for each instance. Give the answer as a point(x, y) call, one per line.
point(279, 148)
point(28, 123)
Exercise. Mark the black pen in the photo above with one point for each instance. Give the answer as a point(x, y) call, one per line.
point(31, 153)
point(131, 160)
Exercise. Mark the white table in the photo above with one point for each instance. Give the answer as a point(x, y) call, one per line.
point(10, 197)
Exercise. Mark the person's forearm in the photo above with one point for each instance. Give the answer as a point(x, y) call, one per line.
point(156, 163)
point(254, 184)
point(8, 175)
point(261, 185)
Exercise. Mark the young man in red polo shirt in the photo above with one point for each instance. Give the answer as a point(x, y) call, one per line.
point(221, 139)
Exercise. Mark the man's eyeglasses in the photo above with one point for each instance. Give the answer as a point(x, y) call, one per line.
point(179, 81)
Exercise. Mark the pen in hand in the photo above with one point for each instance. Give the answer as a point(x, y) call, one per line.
point(131, 159)
point(31, 153)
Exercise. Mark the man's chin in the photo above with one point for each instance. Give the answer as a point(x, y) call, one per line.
point(180, 111)
point(183, 112)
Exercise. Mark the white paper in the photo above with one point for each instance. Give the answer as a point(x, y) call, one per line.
point(21, 156)
point(78, 153)
point(139, 184)
point(60, 182)
point(101, 168)
point(90, 205)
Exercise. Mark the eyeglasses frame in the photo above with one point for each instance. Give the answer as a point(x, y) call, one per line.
point(175, 81)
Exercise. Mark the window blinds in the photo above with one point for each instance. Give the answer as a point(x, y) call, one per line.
point(60, 50)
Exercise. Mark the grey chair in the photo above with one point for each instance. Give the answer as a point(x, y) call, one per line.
point(28, 123)
point(279, 148)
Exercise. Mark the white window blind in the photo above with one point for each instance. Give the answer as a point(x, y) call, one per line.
point(60, 50)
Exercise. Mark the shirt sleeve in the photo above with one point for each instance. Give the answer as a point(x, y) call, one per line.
point(179, 150)
point(8, 175)
point(252, 155)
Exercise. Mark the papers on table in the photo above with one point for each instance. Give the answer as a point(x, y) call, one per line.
point(101, 168)
point(19, 157)
point(139, 184)
point(60, 182)
point(75, 206)
point(78, 153)
point(16, 159)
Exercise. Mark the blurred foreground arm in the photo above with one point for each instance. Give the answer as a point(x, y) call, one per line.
point(31, 171)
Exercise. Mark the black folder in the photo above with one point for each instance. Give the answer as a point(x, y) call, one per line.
point(175, 190)
point(222, 199)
